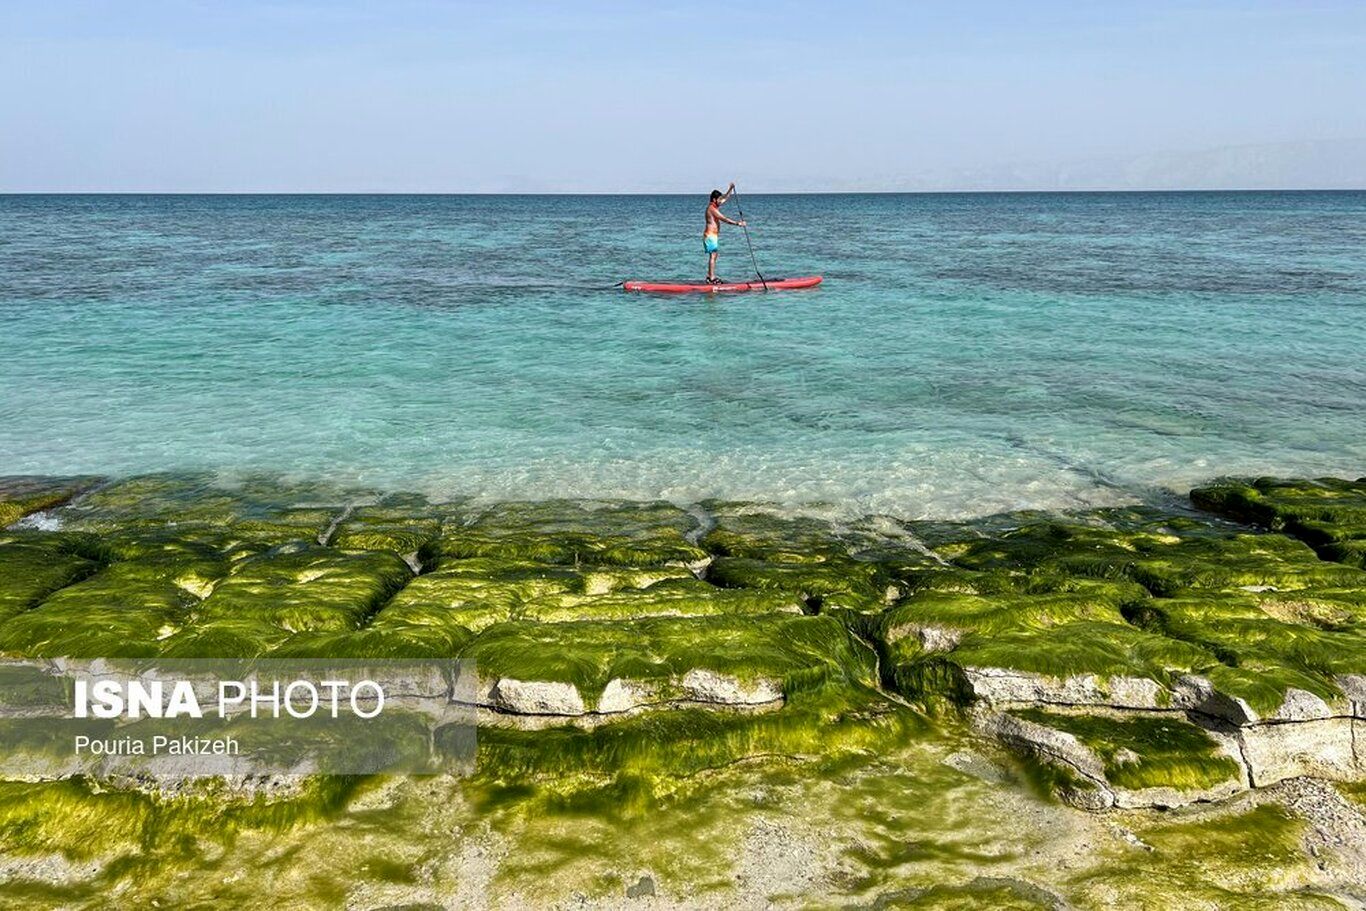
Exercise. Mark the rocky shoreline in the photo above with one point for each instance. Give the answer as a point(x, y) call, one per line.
point(1128, 658)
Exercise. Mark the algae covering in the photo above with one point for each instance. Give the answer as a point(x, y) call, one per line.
point(1327, 513)
point(22, 495)
point(719, 704)
point(1144, 751)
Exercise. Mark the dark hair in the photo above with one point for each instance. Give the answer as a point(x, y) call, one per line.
point(715, 195)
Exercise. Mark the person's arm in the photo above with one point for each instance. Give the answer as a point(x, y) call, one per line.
point(730, 221)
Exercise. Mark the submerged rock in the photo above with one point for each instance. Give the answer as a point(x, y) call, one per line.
point(21, 495)
point(572, 532)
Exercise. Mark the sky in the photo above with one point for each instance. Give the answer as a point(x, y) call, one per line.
point(598, 96)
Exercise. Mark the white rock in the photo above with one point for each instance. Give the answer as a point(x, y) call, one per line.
point(932, 638)
point(708, 686)
point(939, 638)
point(1321, 748)
point(1197, 694)
point(1354, 685)
point(1300, 705)
point(623, 695)
point(536, 697)
point(1001, 686)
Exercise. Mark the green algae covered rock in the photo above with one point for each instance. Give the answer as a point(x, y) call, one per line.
point(1328, 513)
point(31, 571)
point(670, 598)
point(269, 597)
point(1206, 621)
point(1105, 643)
point(838, 582)
point(480, 591)
point(84, 819)
point(989, 893)
point(1261, 657)
point(572, 668)
point(282, 526)
point(1071, 646)
point(1085, 662)
point(570, 532)
point(312, 589)
point(1008, 609)
point(1325, 608)
point(387, 528)
point(611, 677)
point(755, 534)
point(381, 640)
point(1033, 542)
point(1140, 752)
point(1352, 552)
point(21, 495)
point(229, 637)
point(160, 498)
point(1049, 546)
point(1251, 858)
point(1166, 554)
point(257, 510)
point(853, 567)
point(953, 580)
point(124, 610)
point(1083, 599)
point(627, 766)
point(1239, 562)
point(744, 530)
point(163, 543)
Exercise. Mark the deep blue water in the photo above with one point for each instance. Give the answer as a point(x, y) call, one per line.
point(967, 353)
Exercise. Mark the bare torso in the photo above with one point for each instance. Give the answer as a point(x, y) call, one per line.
point(713, 220)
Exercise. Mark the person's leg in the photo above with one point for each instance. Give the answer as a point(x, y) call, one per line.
point(711, 267)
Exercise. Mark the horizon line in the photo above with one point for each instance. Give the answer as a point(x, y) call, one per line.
point(626, 193)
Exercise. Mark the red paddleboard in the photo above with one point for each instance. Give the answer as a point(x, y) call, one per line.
point(772, 284)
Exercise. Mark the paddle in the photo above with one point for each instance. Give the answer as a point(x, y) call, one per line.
point(741, 212)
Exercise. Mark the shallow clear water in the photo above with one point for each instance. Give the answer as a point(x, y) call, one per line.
point(967, 353)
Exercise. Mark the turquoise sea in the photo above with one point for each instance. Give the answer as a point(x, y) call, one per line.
point(966, 354)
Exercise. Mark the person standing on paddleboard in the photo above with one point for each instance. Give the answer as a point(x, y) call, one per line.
point(711, 235)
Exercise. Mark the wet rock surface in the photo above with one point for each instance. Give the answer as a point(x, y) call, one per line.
point(576, 608)
point(1327, 513)
point(1129, 658)
point(23, 495)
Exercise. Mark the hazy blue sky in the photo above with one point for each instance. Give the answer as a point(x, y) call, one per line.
point(405, 95)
